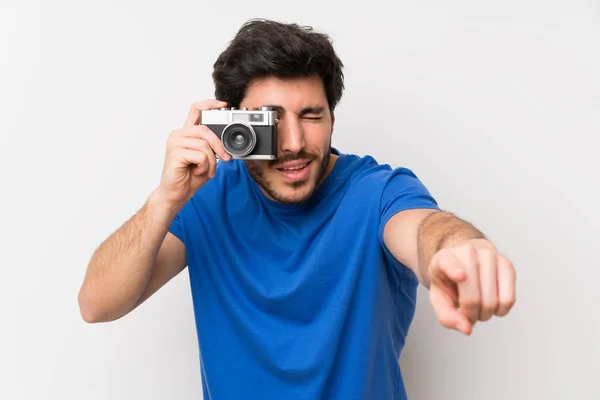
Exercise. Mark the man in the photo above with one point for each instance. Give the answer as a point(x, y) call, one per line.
point(303, 269)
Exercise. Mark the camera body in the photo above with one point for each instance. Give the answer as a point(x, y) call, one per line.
point(245, 134)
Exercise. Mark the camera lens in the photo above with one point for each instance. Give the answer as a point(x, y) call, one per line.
point(239, 139)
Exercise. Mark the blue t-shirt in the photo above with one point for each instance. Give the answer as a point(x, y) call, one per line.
point(301, 301)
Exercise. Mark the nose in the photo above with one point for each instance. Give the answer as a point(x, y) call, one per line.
point(290, 135)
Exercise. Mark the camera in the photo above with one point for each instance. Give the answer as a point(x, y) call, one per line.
point(245, 134)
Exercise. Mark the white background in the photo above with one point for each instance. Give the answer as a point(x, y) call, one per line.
point(495, 106)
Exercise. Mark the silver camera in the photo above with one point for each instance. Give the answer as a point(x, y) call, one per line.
point(245, 134)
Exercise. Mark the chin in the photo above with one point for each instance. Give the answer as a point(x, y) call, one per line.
point(298, 193)
point(292, 179)
point(284, 187)
point(294, 186)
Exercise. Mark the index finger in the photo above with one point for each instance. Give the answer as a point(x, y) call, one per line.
point(196, 108)
point(445, 310)
point(469, 296)
point(206, 134)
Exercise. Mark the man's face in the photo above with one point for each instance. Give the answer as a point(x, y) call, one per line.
point(304, 137)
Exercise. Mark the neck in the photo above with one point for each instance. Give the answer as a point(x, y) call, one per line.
point(332, 159)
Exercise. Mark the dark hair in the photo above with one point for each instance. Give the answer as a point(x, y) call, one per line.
point(264, 48)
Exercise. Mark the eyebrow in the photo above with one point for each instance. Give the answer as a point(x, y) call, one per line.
point(304, 111)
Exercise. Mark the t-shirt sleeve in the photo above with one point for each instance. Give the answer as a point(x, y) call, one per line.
point(403, 190)
point(179, 226)
point(186, 225)
point(176, 227)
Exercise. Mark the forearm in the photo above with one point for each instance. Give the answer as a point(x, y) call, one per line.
point(441, 230)
point(121, 266)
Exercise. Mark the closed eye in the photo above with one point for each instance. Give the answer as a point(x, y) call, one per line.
point(312, 113)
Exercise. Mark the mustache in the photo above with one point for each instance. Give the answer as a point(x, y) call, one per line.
point(302, 155)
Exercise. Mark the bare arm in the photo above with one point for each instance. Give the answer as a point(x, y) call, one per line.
point(132, 263)
point(414, 236)
point(142, 256)
point(467, 278)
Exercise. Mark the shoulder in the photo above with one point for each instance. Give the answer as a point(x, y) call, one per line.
point(384, 183)
point(367, 172)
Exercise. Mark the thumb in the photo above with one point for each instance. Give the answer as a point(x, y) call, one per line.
point(444, 305)
point(445, 267)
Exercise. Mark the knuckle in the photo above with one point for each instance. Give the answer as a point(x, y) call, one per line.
point(173, 146)
point(507, 268)
point(208, 153)
point(502, 312)
point(204, 145)
point(172, 135)
point(468, 247)
point(172, 139)
point(442, 258)
point(199, 131)
point(505, 307)
point(486, 254)
point(468, 253)
point(190, 131)
point(509, 303)
point(469, 303)
point(207, 133)
point(471, 253)
point(485, 316)
point(506, 264)
point(489, 306)
point(178, 153)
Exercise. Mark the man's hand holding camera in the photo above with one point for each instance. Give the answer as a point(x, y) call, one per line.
point(190, 157)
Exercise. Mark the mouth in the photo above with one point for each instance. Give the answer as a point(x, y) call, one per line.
point(294, 171)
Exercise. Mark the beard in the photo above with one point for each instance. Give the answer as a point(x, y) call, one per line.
point(257, 172)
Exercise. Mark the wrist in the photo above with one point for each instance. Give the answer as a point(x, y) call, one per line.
point(477, 242)
point(162, 207)
point(482, 243)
